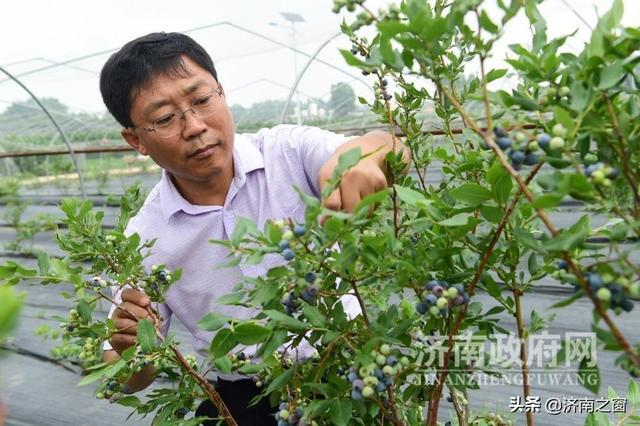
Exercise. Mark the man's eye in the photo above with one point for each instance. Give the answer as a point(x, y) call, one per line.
point(202, 101)
point(164, 121)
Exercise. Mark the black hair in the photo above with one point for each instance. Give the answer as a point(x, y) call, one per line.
point(139, 61)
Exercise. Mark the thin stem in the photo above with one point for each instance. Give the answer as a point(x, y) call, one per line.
point(526, 385)
point(462, 419)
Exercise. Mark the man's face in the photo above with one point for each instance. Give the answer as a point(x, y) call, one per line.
point(202, 150)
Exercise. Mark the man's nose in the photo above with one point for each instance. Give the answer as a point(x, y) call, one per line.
point(194, 125)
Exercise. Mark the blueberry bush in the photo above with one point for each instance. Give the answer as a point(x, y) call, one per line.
point(412, 258)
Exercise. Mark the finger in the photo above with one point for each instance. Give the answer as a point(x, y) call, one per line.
point(121, 341)
point(333, 201)
point(126, 326)
point(350, 194)
point(130, 310)
point(136, 297)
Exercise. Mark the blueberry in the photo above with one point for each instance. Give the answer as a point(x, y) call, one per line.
point(517, 157)
point(378, 373)
point(422, 308)
point(310, 277)
point(283, 245)
point(449, 398)
point(162, 275)
point(613, 173)
point(384, 82)
point(531, 159)
point(543, 140)
point(431, 299)
point(299, 412)
point(388, 380)
point(459, 287)
point(358, 384)
point(465, 298)
point(437, 290)
point(595, 281)
point(181, 412)
point(387, 97)
point(299, 230)
point(381, 387)
point(288, 254)
point(392, 360)
point(500, 132)
point(313, 290)
point(626, 305)
point(352, 377)
point(356, 395)
point(504, 142)
point(431, 284)
point(562, 264)
point(354, 51)
point(590, 169)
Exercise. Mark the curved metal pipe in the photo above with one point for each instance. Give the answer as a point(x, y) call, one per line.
point(55, 123)
point(299, 76)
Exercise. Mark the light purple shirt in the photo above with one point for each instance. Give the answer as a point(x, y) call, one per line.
point(267, 165)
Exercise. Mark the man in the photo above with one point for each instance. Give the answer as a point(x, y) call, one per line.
point(164, 90)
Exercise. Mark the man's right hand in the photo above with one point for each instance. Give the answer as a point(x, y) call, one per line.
point(134, 307)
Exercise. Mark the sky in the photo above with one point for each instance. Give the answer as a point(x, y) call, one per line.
point(37, 33)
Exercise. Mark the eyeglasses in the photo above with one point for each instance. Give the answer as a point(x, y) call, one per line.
point(172, 124)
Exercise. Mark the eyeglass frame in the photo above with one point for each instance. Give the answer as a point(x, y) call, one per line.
point(182, 114)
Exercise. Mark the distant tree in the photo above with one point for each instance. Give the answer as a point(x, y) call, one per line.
point(342, 101)
point(31, 108)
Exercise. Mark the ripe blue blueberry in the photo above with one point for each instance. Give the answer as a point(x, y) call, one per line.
point(459, 287)
point(356, 395)
point(310, 277)
point(299, 230)
point(500, 132)
point(543, 140)
point(626, 305)
point(288, 254)
point(531, 159)
point(595, 281)
point(283, 245)
point(504, 142)
point(422, 308)
point(517, 157)
point(562, 264)
point(431, 299)
point(431, 284)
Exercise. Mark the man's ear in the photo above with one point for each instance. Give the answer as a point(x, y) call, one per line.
point(132, 139)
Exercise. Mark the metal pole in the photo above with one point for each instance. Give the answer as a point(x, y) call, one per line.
point(295, 70)
point(299, 77)
point(55, 123)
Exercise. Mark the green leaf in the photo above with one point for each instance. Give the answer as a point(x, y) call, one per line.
point(500, 181)
point(223, 364)
point(611, 75)
point(213, 321)
point(596, 419)
point(547, 201)
point(471, 194)
point(568, 301)
point(286, 320)
point(486, 23)
point(222, 343)
point(314, 316)
point(412, 197)
point(590, 375)
point(146, 335)
point(250, 333)
point(346, 161)
point(280, 380)
point(340, 412)
point(458, 220)
point(129, 401)
point(633, 393)
point(496, 74)
point(350, 58)
point(371, 199)
point(571, 238)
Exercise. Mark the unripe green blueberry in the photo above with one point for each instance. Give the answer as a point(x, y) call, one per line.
point(385, 349)
point(603, 294)
point(154, 268)
point(370, 380)
point(367, 391)
point(284, 414)
point(623, 281)
point(634, 290)
point(100, 395)
point(597, 176)
point(434, 310)
point(564, 91)
point(452, 292)
point(389, 370)
point(551, 91)
point(606, 182)
point(442, 303)
point(381, 360)
point(405, 361)
point(556, 143)
point(544, 100)
point(559, 130)
point(533, 146)
point(607, 277)
point(590, 159)
point(258, 384)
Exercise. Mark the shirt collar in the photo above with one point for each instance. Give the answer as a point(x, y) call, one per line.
point(246, 158)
